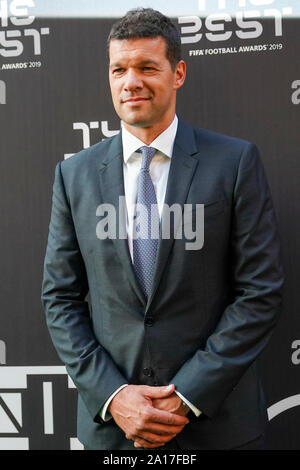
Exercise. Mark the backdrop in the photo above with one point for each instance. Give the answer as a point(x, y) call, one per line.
point(243, 80)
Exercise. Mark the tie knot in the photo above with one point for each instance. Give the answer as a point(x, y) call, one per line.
point(148, 153)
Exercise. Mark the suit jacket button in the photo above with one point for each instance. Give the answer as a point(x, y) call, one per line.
point(149, 321)
point(148, 371)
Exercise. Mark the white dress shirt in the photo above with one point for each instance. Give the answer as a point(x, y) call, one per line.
point(159, 171)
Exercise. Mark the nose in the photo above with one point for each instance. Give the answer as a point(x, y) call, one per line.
point(133, 81)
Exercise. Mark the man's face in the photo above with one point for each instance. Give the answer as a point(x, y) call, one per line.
point(143, 84)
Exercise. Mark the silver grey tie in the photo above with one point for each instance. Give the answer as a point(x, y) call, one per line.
point(146, 224)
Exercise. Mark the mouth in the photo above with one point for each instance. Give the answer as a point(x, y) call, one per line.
point(136, 101)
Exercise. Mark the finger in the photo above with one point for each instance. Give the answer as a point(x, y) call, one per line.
point(158, 392)
point(137, 445)
point(162, 429)
point(152, 438)
point(141, 444)
point(165, 417)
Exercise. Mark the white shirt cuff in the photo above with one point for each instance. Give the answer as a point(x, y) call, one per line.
point(189, 404)
point(105, 415)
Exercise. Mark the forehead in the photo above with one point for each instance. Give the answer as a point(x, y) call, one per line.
point(141, 48)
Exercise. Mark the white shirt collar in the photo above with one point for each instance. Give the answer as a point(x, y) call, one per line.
point(163, 143)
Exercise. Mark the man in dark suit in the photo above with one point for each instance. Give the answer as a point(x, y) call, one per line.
point(165, 354)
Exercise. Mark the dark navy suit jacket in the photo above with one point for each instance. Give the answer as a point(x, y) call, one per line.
point(211, 311)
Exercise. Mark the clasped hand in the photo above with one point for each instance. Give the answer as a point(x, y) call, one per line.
point(150, 416)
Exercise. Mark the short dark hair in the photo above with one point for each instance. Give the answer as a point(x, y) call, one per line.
point(148, 23)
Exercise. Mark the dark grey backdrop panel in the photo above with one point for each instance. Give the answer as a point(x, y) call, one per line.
point(60, 103)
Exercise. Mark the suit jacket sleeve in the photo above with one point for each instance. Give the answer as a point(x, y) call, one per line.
point(64, 291)
point(245, 326)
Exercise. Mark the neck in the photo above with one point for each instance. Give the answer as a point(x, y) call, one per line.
point(148, 134)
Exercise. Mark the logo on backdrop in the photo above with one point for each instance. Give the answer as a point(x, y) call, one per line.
point(294, 400)
point(30, 419)
point(283, 405)
point(222, 25)
point(2, 352)
point(29, 413)
point(86, 129)
point(2, 92)
point(296, 354)
point(296, 94)
point(17, 31)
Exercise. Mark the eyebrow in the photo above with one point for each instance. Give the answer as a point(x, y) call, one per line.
point(141, 63)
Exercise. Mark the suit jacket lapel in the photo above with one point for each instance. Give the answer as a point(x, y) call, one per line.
point(182, 168)
point(112, 187)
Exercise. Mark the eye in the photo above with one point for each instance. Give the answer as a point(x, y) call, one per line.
point(117, 71)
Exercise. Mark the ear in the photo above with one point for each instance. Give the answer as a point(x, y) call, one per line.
point(180, 74)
